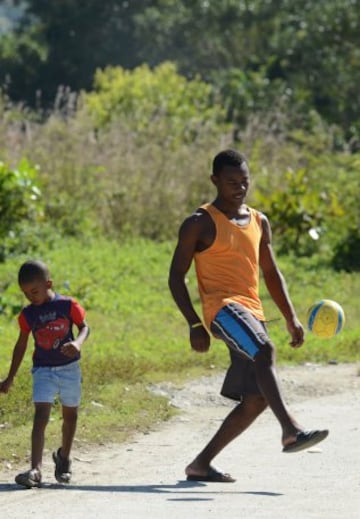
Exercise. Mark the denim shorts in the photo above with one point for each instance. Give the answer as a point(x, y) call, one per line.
point(61, 381)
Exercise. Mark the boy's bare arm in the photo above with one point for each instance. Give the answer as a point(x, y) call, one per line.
point(17, 357)
point(71, 348)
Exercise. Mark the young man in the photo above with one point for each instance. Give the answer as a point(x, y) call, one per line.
point(56, 370)
point(229, 243)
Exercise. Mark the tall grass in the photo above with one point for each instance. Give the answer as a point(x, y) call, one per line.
point(115, 180)
point(120, 180)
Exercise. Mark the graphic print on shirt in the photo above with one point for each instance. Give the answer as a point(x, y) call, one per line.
point(49, 335)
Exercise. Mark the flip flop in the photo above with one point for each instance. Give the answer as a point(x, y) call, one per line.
point(212, 476)
point(306, 439)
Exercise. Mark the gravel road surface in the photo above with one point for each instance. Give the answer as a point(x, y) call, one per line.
point(144, 478)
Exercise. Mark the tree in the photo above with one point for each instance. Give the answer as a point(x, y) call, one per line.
point(316, 45)
point(147, 99)
point(76, 38)
point(307, 50)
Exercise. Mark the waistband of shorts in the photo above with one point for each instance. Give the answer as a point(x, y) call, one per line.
point(63, 367)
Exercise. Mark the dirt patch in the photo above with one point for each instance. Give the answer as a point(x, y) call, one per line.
point(297, 382)
point(314, 380)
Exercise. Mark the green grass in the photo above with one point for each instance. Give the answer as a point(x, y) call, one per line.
point(139, 337)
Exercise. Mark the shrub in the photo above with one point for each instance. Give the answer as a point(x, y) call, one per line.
point(347, 252)
point(143, 97)
point(20, 201)
point(299, 211)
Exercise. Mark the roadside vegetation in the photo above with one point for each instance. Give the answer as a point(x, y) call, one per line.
point(96, 177)
point(138, 337)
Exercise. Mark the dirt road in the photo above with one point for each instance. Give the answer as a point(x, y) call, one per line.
point(145, 477)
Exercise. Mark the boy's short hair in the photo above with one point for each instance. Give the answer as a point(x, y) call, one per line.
point(228, 158)
point(33, 270)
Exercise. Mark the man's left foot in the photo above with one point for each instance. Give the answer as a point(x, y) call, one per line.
point(306, 439)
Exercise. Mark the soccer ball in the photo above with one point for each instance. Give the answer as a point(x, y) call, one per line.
point(325, 318)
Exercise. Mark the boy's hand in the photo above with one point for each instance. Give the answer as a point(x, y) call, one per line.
point(70, 349)
point(296, 331)
point(5, 385)
point(199, 339)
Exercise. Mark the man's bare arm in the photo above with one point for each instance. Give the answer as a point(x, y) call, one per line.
point(184, 252)
point(277, 287)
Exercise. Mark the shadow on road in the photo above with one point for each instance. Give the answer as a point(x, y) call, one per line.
point(185, 487)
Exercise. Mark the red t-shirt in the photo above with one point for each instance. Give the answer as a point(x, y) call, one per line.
point(51, 325)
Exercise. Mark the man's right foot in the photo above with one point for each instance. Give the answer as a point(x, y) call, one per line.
point(210, 474)
point(62, 468)
point(29, 479)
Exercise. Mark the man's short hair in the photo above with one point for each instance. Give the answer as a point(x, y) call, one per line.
point(228, 158)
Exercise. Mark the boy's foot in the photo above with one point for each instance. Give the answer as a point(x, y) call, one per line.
point(62, 468)
point(29, 479)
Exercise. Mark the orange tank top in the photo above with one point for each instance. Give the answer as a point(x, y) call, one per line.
point(228, 271)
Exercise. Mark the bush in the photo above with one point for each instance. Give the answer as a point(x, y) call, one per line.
point(143, 97)
point(133, 158)
point(300, 212)
point(347, 252)
point(20, 201)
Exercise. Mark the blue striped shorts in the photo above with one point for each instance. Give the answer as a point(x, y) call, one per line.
point(240, 330)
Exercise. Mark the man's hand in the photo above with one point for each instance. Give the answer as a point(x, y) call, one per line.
point(199, 339)
point(296, 331)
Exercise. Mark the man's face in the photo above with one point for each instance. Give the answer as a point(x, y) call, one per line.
point(232, 183)
point(37, 291)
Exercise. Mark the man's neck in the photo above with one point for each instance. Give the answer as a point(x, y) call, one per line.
point(232, 211)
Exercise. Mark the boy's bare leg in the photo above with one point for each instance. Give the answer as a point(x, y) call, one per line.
point(70, 415)
point(234, 424)
point(41, 419)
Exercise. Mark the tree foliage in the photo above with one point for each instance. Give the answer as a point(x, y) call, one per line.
point(126, 146)
point(307, 51)
point(76, 37)
point(144, 97)
point(20, 202)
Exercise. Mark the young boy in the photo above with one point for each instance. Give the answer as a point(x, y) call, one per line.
point(56, 368)
point(229, 242)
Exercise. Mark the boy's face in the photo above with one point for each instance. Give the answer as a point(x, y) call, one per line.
point(37, 291)
point(232, 183)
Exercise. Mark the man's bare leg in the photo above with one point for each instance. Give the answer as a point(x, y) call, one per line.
point(269, 386)
point(234, 424)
